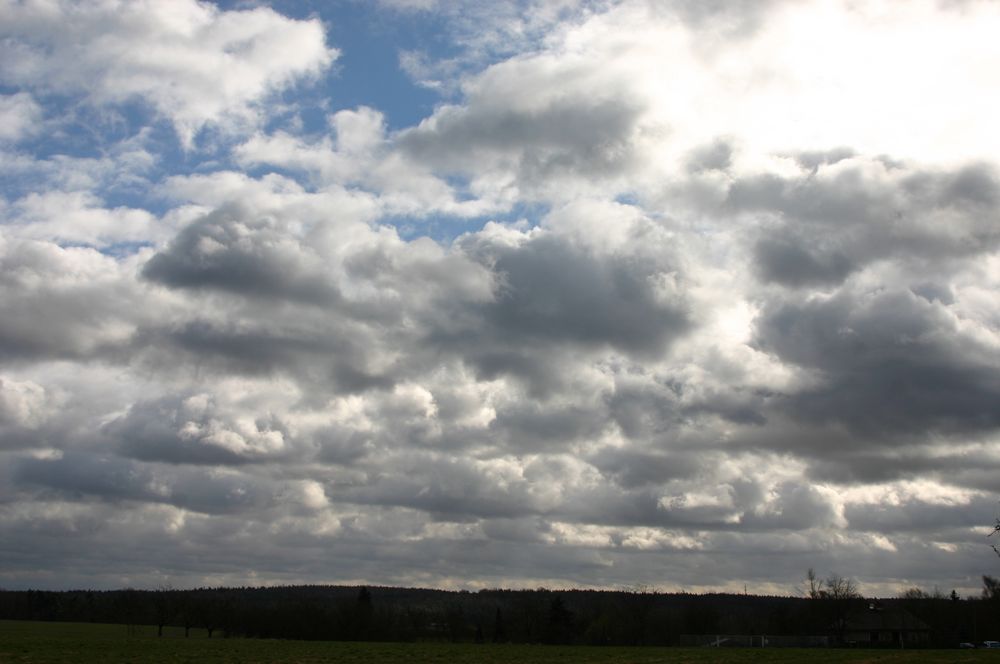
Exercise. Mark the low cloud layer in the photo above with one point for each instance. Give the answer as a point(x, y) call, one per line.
point(582, 325)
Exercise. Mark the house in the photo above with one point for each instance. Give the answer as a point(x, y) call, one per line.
point(879, 627)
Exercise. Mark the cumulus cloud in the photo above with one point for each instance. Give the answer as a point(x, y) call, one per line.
point(840, 215)
point(518, 129)
point(635, 293)
point(192, 62)
point(79, 217)
point(113, 480)
point(361, 154)
point(226, 251)
point(192, 430)
point(889, 365)
point(552, 290)
point(65, 302)
point(25, 409)
point(21, 402)
point(20, 116)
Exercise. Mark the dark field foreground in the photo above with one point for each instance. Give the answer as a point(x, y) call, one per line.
point(23, 641)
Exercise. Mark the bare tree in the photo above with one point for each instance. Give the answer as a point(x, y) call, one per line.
point(815, 586)
point(991, 588)
point(996, 529)
point(833, 587)
point(914, 594)
point(836, 596)
point(164, 606)
point(841, 587)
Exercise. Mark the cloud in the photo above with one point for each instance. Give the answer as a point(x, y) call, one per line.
point(89, 477)
point(888, 365)
point(65, 302)
point(554, 291)
point(496, 294)
point(359, 139)
point(912, 514)
point(783, 260)
point(632, 468)
point(838, 216)
point(519, 129)
point(193, 430)
point(22, 403)
point(79, 217)
point(20, 116)
point(25, 409)
point(190, 61)
point(227, 251)
point(647, 285)
point(362, 155)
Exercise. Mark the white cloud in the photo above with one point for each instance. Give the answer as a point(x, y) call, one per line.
point(20, 116)
point(193, 63)
point(80, 218)
point(361, 155)
point(617, 99)
point(22, 403)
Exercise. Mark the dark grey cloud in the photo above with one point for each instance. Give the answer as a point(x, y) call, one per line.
point(553, 291)
point(659, 410)
point(282, 259)
point(828, 224)
point(955, 467)
point(87, 477)
point(536, 427)
point(797, 506)
point(890, 366)
point(583, 134)
point(734, 404)
point(847, 196)
point(194, 430)
point(342, 445)
point(265, 348)
point(631, 468)
point(70, 303)
point(934, 292)
point(360, 553)
point(448, 488)
point(641, 412)
point(918, 516)
point(540, 126)
point(646, 507)
point(354, 295)
point(715, 156)
point(232, 249)
point(792, 262)
point(554, 294)
point(542, 375)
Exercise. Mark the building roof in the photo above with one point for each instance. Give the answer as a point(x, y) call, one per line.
point(895, 619)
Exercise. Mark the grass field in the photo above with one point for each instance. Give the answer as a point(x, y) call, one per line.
point(38, 642)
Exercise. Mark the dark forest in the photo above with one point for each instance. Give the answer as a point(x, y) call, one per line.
point(626, 617)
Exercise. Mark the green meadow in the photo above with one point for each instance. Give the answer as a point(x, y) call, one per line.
point(40, 642)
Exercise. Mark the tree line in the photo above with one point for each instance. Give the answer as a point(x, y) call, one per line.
point(625, 617)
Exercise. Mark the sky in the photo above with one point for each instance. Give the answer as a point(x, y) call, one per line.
point(690, 296)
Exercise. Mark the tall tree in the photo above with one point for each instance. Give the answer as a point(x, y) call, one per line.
point(499, 631)
point(991, 588)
